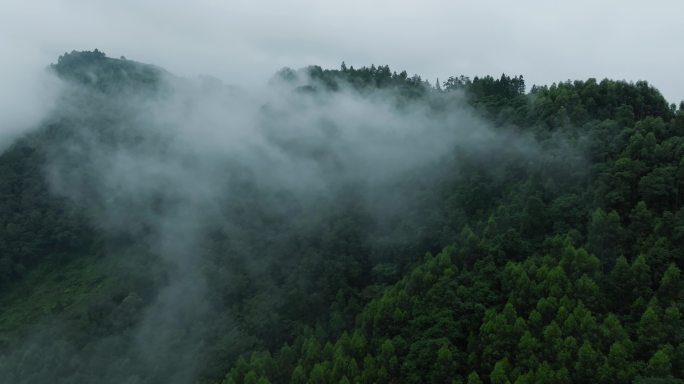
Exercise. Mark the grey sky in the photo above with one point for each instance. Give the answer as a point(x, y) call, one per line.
point(244, 42)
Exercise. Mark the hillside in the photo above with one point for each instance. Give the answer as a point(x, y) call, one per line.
point(342, 226)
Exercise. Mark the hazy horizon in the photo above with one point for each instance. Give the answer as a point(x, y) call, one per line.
point(244, 43)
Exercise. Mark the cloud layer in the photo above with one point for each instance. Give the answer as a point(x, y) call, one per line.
point(244, 42)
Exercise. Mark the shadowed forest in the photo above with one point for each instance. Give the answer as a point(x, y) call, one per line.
point(351, 225)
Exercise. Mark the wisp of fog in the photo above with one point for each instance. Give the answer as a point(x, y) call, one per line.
point(193, 158)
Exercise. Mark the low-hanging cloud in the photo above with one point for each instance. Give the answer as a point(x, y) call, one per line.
point(165, 168)
point(28, 91)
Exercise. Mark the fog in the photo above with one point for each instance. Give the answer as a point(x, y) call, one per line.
point(221, 194)
point(244, 42)
point(162, 173)
point(27, 94)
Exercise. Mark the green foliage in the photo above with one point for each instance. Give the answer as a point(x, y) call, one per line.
point(554, 268)
point(35, 225)
point(107, 75)
point(571, 299)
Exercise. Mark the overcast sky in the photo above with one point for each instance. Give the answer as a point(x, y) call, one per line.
point(244, 42)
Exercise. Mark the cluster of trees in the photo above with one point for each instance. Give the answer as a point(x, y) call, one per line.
point(35, 227)
point(562, 321)
point(271, 272)
point(570, 277)
point(108, 75)
point(558, 265)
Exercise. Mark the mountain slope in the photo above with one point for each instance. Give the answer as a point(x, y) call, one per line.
point(159, 228)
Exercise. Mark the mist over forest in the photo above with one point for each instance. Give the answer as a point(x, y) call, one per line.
point(338, 225)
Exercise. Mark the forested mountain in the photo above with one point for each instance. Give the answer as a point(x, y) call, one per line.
point(342, 226)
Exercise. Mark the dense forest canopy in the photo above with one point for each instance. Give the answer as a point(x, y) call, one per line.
point(352, 225)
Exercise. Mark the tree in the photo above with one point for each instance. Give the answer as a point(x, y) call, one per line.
point(528, 349)
point(545, 374)
point(620, 285)
point(670, 285)
point(641, 221)
point(588, 362)
point(640, 271)
point(659, 365)
point(474, 378)
point(658, 188)
point(649, 331)
point(617, 367)
point(298, 375)
point(605, 235)
point(499, 374)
